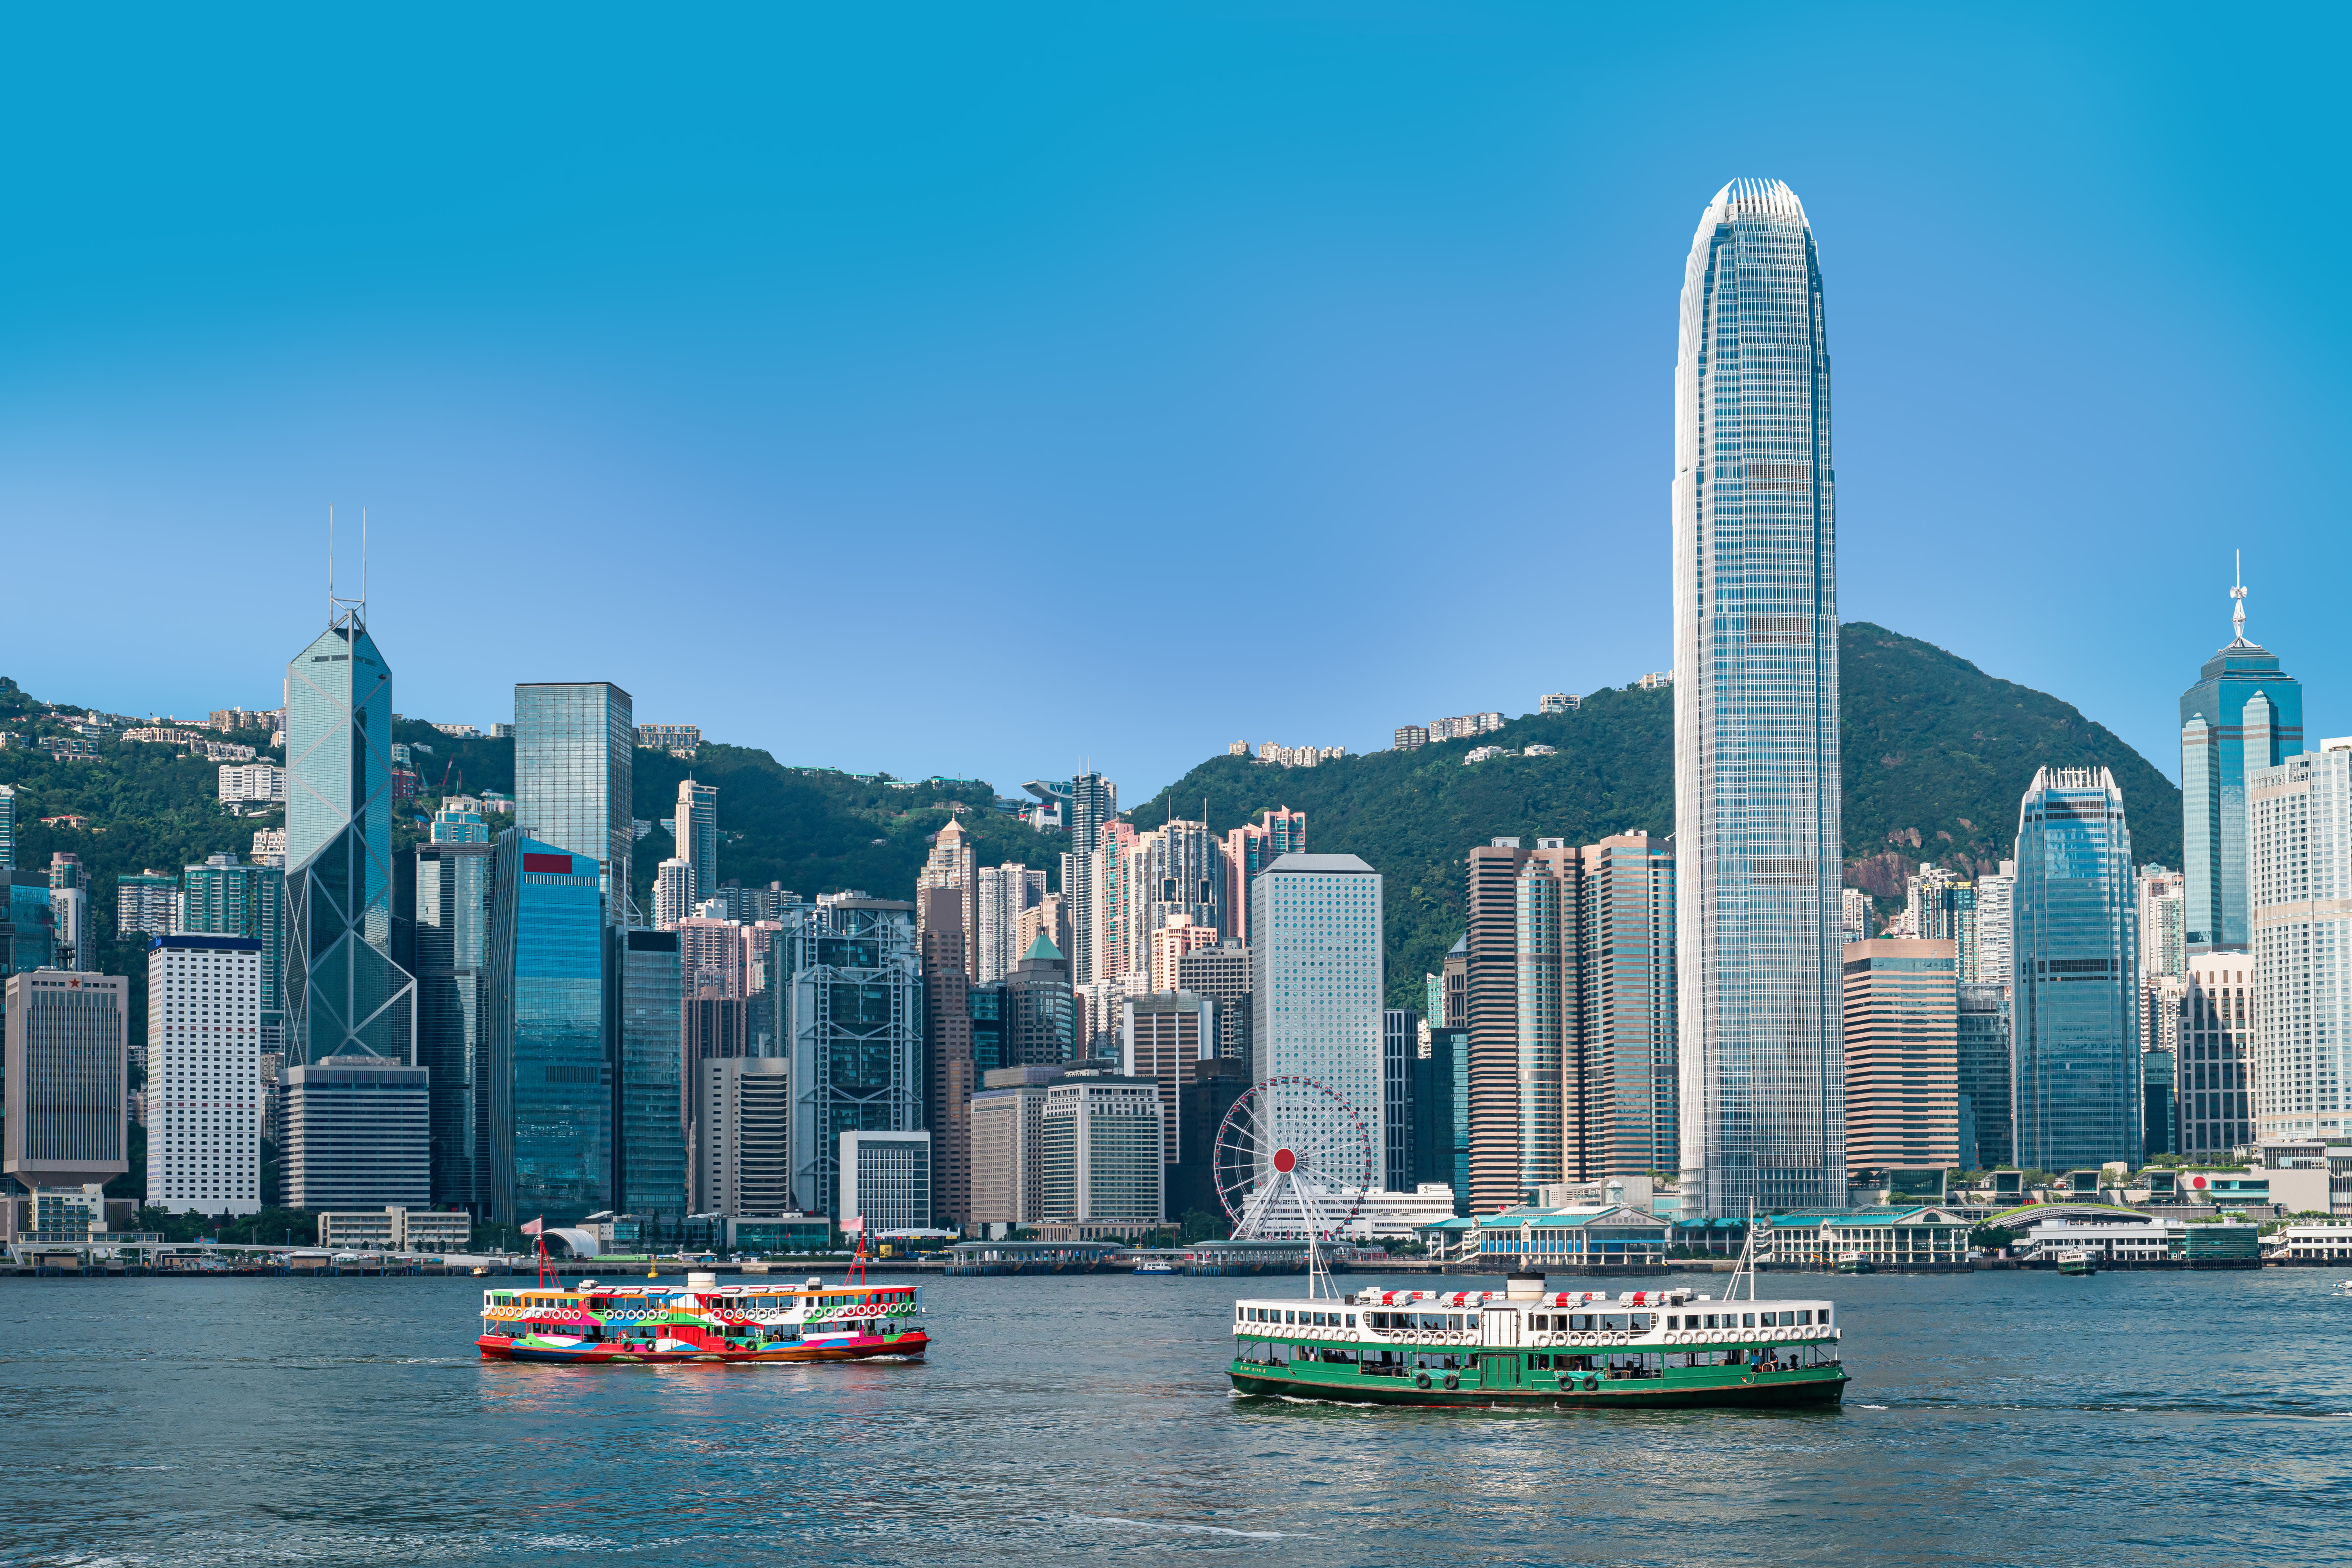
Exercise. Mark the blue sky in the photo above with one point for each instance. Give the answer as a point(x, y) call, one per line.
point(979, 390)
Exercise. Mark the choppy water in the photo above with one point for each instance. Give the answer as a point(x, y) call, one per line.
point(2140, 1418)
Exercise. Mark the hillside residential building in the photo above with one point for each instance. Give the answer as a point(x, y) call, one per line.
point(2244, 716)
point(1463, 726)
point(673, 892)
point(695, 832)
point(145, 903)
point(1758, 844)
point(1902, 1055)
point(1997, 926)
point(1004, 894)
point(676, 739)
point(953, 866)
point(2074, 1009)
point(252, 784)
point(1412, 737)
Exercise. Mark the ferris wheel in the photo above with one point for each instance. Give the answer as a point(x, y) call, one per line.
point(1293, 1159)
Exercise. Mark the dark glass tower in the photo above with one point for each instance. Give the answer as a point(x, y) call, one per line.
point(344, 994)
point(2245, 714)
point(551, 1099)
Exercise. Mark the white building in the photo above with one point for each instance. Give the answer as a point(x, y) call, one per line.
point(742, 1122)
point(1854, 915)
point(1367, 1217)
point(204, 1075)
point(256, 784)
point(1100, 1143)
point(2313, 1241)
point(1559, 702)
point(1996, 927)
point(886, 1179)
point(673, 892)
point(1008, 1126)
point(2126, 1241)
point(2299, 877)
point(270, 846)
point(1005, 893)
point(2162, 939)
point(1317, 979)
point(395, 1229)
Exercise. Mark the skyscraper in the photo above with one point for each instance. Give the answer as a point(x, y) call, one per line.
point(953, 866)
point(1004, 893)
point(203, 1074)
point(651, 1152)
point(67, 1071)
point(696, 836)
point(949, 1074)
point(551, 1101)
point(2245, 714)
point(2075, 1086)
point(1901, 1054)
point(1757, 835)
point(224, 897)
point(1317, 982)
point(344, 994)
point(576, 753)
point(453, 885)
point(1093, 801)
point(2217, 1082)
point(1997, 926)
point(2300, 814)
point(1981, 1042)
point(856, 1028)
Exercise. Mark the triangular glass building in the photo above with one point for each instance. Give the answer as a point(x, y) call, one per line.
point(344, 994)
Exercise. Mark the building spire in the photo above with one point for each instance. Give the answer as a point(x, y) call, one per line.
point(2238, 603)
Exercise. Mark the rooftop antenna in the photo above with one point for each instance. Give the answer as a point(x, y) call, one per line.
point(2238, 597)
point(330, 563)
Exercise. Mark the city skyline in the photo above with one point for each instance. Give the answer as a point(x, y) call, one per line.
point(1149, 336)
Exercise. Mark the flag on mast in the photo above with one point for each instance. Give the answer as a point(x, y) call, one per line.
point(536, 1227)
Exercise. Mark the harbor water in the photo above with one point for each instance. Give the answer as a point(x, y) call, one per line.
point(1995, 1418)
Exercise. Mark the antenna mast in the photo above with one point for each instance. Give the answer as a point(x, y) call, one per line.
point(2238, 598)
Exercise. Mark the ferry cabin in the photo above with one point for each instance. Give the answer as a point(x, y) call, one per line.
point(1643, 1342)
point(735, 1318)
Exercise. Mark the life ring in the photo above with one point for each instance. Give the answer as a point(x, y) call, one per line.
point(1591, 1383)
point(1422, 1380)
point(1625, 1339)
point(1452, 1382)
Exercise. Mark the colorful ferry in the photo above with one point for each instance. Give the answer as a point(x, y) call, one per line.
point(705, 1322)
point(1526, 1348)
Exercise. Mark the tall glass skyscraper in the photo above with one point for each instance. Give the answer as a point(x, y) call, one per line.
point(551, 1099)
point(856, 1028)
point(650, 1094)
point(1758, 839)
point(453, 881)
point(2245, 714)
point(2075, 1085)
point(575, 752)
point(344, 994)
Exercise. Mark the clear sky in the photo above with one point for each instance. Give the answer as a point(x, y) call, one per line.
point(981, 390)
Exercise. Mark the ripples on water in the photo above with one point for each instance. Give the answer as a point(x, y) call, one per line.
point(2128, 1418)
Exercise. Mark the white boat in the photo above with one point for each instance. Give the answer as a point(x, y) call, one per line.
point(1155, 1266)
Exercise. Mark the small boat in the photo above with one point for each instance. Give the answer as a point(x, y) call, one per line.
point(2074, 1261)
point(1856, 1263)
point(1156, 1265)
point(481, 1270)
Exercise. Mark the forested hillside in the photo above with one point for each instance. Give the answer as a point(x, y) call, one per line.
point(1936, 756)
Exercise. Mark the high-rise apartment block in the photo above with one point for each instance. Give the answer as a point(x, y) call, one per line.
point(949, 1069)
point(855, 1026)
point(953, 866)
point(248, 786)
point(1901, 1054)
point(2299, 816)
point(2244, 715)
point(2163, 923)
point(223, 898)
point(673, 893)
point(1997, 926)
point(66, 1065)
point(1758, 844)
point(1853, 915)
point(575, 756)
point(1250, 849)
point(2219, 1080)
point(203, 1074)
point(1003, 895)
point(695, 829)
point(2075, 1000)
point(1092, 802)
point(1164, 1038)
point(145, 903)
point(1412, 737)
point(344, 994)
point(1317, 979)
point(1170, 944)
point(1049, 918)
point(1222, 973)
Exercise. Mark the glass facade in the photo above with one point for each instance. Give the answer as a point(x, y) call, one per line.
point(2244, 715)
point(652, 1135)
point(551, 1101)
point(344, 994)
point(1317, 982)
point(1441, 1113)
point(857, 1033)
point(2076, 1090)
point(1983, 1037)
point(575, 752)
point(452, 951)
point(1759, 844)
point(234, 899)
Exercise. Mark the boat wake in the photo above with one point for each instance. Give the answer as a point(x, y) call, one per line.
point(1178, 1526)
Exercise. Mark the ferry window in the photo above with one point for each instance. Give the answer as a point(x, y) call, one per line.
point(1289, 1317)
point(1241, 1314)
point(1643, 1322)
point(1748, 1319)
point(1454, 1320)
point(1351, 1320)
point(1803, 1319)
point(1673, 1323)
point(1581, 1322)
point(1614, 1322)
point(1825, 1315)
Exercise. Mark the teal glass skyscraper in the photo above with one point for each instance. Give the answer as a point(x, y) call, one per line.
point(344, 994)
point(1757, 845)
point(2245, 714)
point(550, 1106)
point(2074, 1045)
point(575, 752)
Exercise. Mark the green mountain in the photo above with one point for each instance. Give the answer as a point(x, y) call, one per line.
point(1936, 757)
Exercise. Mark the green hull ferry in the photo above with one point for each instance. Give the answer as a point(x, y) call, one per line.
point(1525, 1348)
